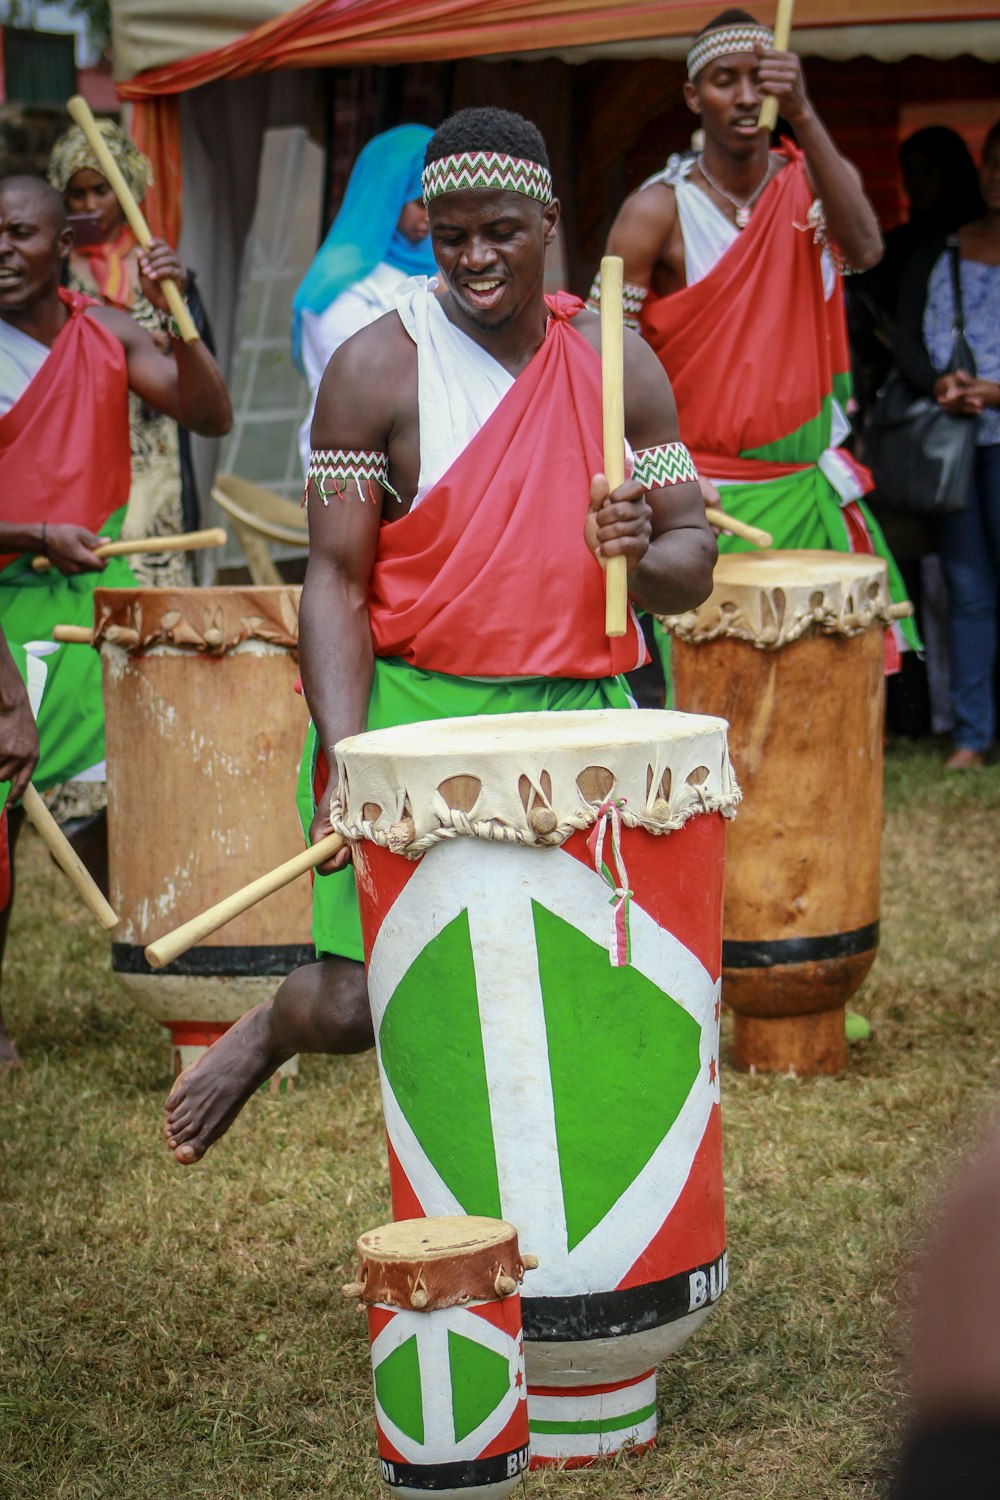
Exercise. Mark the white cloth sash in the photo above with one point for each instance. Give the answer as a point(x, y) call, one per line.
point(459, 385)
point(21, 358)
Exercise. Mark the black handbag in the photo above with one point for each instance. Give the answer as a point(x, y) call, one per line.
point(922, 456)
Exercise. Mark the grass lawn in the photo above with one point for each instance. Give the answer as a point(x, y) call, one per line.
point(168, 1334)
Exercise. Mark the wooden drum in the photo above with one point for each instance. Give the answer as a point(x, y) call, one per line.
point(789, 648)
point(204, 734)
point(541, 902)
point(444, 1323)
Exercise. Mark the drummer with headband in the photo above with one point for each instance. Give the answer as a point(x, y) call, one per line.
point(452, 566)
point(733, 257)
point(66, 368)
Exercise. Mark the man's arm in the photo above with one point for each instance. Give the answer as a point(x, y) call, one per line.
point(663, 533)
point(353, 414)
point(645, 234)
point(189, 386)
point(69, 548)
point(850, 217)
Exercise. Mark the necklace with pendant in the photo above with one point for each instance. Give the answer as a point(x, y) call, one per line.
point(741, 205)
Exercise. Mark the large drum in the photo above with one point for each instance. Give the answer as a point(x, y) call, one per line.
point(541, 901)
point(204, 733)
point(789, 647)
point(444, 1324)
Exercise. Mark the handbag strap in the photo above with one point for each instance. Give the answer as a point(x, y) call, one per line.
point(955, 260)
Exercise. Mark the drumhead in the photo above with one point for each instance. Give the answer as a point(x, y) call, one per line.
point(208, 621)
point(773, 598)
point(445, 1238)
point(532, 778)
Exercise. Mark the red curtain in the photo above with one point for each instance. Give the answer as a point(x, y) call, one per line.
point(338, 33)
point(341, 33)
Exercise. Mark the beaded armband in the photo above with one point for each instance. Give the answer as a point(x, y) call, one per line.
point(816, 223)
point(666, 464)
point(633, 296)
point(331, 468)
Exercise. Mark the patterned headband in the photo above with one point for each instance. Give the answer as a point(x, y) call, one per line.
point(724, 41)
point(486, 171)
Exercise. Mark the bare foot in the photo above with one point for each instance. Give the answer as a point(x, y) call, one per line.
point(965, 760)
point(208, 1095)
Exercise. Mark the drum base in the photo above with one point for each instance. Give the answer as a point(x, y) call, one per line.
point(577, 1426)
point(803, 1045)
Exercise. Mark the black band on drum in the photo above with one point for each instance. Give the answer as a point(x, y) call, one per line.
point(475, 1471)
point(804, 950)
point(236, 962)
point(633, 1309)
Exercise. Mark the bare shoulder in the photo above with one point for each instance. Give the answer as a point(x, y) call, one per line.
point(368, 385)
point(650, 413)
point(639, 360)
point(649, 212)
point(118, 322)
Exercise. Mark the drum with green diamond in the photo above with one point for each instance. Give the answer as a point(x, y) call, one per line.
point(541, 902)
point(444, 1320)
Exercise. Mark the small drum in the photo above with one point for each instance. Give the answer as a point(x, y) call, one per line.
point(204, 733)
point(541, 903)
point(444, 1321)
point(789, 647)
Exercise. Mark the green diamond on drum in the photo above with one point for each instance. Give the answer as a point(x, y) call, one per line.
point(435, 1011)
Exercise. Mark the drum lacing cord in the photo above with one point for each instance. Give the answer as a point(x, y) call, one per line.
point(737, 625)
point(609, 821)
point(397, 838)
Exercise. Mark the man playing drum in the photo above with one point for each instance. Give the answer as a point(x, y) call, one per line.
point(66, 368)
point(733, 259)
point(452, 566)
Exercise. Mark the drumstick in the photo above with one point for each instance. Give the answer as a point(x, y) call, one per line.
point(186, 541)
point(768, 117)
point(79, 111)
point(165, 949)
point(741, 529)
point(67, 858)
point(73, 635)
point(613, 394)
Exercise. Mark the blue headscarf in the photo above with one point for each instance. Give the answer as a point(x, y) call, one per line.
point(385, 178)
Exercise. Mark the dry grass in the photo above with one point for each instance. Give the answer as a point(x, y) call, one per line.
point(169, 1333)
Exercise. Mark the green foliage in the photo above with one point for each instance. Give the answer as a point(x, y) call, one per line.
point(169, 1331)
point(97, 14)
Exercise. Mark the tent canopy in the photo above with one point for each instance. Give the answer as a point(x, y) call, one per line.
point(158, 53)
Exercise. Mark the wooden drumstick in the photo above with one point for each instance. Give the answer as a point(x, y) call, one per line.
point(165, 949)
point(613, 398)
point(747, 533)
point(768, 117)
point(73, 635)
point(185, 541)
point(67, 858)
point(79, 111)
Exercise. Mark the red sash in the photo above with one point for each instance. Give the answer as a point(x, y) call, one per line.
point(752, 348)
point(64, 444)
point(490, 576)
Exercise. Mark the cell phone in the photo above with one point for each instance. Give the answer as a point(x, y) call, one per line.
point(86, 228)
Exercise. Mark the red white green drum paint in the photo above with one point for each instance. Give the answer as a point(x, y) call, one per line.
point(450, 1399)
point(526, 1078)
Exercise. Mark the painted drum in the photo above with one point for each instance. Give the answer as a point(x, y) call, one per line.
point(444, 1322)
point(789, 647)
point(204, 733)
point(541, 904)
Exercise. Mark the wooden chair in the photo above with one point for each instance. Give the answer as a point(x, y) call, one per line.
point(260, 516)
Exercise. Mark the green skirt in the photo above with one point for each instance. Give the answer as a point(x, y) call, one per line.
point(402, 694)
point(70, 713)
